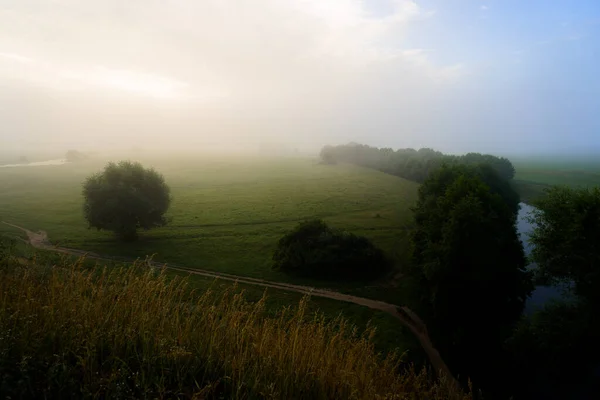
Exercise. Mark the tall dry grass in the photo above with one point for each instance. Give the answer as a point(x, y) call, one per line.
point(133, 333)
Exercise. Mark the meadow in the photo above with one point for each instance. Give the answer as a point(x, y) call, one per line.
point(227, 215)
point(533, 176)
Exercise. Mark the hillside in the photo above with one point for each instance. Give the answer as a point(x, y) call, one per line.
point(129, 332)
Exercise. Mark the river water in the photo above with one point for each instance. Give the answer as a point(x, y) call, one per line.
point(36, 164)
point(541, 294)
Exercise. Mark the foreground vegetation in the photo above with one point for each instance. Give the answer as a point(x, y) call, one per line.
point(130, 333)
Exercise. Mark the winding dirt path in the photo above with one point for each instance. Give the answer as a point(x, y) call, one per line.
point(407, 317)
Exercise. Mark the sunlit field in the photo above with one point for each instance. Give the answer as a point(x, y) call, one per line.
point(227, 213)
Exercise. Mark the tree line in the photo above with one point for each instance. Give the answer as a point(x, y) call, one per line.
point(411, 164)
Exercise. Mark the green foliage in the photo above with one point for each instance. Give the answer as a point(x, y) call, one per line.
point(547, 351)
point(498, 185)
point(566, 240)
point(501, 165)
point(124, 198)
point(132, 333)
point(313, 249)
point(415, 165)
point(469, 266)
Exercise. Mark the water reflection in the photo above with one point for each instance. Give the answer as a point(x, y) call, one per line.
point(37, 164)
point(541, 294)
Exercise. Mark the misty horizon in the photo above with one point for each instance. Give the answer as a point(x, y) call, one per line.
point(459, 76)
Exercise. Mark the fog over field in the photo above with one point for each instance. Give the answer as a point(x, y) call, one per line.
point(455, 75)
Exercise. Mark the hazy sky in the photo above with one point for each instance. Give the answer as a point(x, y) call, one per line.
point(457, 75)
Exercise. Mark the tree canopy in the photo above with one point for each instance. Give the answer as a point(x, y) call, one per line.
point(313, 249)
point(126, 197)
point(468, 265)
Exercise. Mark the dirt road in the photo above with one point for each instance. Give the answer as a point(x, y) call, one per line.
point(406, 316)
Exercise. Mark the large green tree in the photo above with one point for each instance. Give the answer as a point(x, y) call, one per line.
point(468, 265)
point(126, 197)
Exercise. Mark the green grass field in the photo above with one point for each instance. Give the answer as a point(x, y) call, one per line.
point(227, 215)
point(534, 176)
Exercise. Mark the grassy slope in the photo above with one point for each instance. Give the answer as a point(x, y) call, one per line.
point(134, 335)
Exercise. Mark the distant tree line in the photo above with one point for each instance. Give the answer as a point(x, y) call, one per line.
point(411, 164)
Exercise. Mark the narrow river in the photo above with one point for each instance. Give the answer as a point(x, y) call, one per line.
point(541, 294)
point(37, 164)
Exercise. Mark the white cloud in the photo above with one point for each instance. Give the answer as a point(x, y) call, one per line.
point(484, 7)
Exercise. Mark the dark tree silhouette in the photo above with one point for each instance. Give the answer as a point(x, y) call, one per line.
point(468, 267)
point(126, 197)
point(313, 249)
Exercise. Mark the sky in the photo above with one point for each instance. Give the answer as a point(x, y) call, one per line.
point(497, 76)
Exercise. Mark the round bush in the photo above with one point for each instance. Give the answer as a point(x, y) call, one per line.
point(313, 249)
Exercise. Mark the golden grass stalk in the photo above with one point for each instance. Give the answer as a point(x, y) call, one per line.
point(130, 332)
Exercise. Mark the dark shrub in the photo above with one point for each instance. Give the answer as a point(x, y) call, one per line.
point(313, 249)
